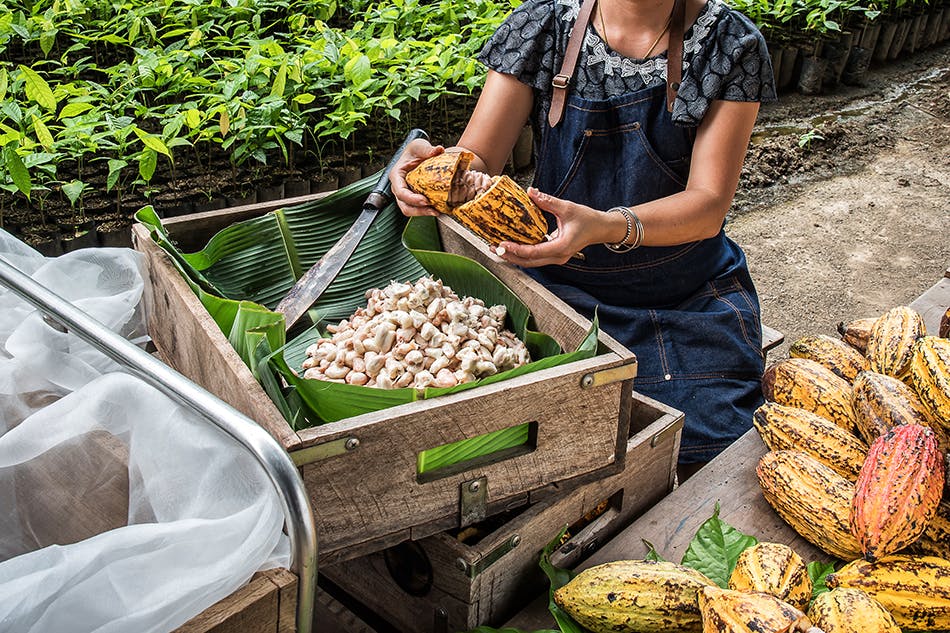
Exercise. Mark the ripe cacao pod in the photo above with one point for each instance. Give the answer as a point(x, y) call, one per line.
point(773, 568)
point(850, 611)
point(935, 541)
point(855, 333)
point(728, 611)
point(891, 342)
point(835, 354)
point(930, 376)
point(806, 384)
point(495, 209)
point(897, 491)
point(790, 428)
point(634, 596)
point(914, 589)
point(810, 497)
point(881, 402)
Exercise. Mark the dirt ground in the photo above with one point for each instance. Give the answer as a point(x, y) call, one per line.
point(855, 220)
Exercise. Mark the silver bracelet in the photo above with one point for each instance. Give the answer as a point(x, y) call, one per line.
point(633, 222)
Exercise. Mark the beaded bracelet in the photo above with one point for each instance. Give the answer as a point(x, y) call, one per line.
point(632, 222)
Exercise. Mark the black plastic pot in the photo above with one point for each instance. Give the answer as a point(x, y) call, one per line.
point(296, 187)
point(836, 52)
point(934, 22)
point(884, 41)
point(790, 63)
point(913, 35)
point(812, 75)
point(897, 44)
point(855, 71)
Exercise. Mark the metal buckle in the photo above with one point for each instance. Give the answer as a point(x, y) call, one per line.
point(560, 81)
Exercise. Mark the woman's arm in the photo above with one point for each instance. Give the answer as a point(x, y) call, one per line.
point(693, 214)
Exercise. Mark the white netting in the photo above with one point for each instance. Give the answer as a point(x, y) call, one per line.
point(120, 510)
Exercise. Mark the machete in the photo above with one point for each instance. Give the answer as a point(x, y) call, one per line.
point(316, 280)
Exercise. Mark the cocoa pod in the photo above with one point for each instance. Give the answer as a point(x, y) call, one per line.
point(634, 596)
point(775, 569)
point(913, 589)
point(944, 329)
point(930, 377)
point(812, 498)
point(855, 333)
point(806, 384)
point(841, 358)
point(881, 402)
point(935, 541)
point(791, 428)
point(897, 491)
point(728, 611)
point(850, 611)
point(891, 342)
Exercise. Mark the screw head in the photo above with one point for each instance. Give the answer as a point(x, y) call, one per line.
point(587, 380)
point(461, 564)
point(474, 486)
point(515, 541)
point(351, 443)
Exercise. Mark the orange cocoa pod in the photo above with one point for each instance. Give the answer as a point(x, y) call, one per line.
point(897, 491)
point(435, 176)
point(882, 402)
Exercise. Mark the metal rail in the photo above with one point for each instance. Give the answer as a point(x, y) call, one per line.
point(298, 515)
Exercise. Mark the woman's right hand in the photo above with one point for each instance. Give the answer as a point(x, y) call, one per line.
point(410, 202)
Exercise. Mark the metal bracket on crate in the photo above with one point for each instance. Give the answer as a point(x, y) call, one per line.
point(476, 567)
point(473, 501)
point(626, 371)
point(324, 450)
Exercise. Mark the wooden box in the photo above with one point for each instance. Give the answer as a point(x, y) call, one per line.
point(442, 584)
point(361, 472)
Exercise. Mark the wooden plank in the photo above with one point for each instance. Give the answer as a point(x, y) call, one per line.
point(499, 576)
point(251, 609)
point(771, 338)
point(191, 342)
point(933, 304)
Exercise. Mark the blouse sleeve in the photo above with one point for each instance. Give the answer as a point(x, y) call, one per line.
point(526, 44)
point(731, 64)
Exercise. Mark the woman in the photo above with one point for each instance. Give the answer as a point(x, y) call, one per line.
point(636, 168)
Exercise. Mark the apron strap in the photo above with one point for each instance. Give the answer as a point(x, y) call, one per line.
point(562, 80)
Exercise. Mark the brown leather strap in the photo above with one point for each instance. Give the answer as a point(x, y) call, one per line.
point(562, 80)
point(674, 53)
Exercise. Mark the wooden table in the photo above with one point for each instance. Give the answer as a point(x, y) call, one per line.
point(728, 480)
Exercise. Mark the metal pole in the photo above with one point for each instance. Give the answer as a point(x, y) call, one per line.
point(298, 515)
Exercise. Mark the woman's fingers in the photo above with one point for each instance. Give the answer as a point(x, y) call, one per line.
point(408, 201)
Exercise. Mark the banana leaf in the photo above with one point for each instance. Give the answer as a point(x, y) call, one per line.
point(245, 269)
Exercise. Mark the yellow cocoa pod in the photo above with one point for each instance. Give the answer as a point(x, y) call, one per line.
point(930, 376)
point(841, 358)
point(728, 611)
point(790, 428)
point(806, 384)
point(935, 541)
point(850, 611)
point(773, 568)
point(634, 596)
point(495, 209)
point(891, 342)
point(914, 589)
point(810, 497)
point(855, 333)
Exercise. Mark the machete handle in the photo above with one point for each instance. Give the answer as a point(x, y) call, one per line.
point(383, 188)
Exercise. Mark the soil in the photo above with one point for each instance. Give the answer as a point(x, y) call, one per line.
point(843, 208)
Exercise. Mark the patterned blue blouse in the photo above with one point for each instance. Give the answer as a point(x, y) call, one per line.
point(724, 58)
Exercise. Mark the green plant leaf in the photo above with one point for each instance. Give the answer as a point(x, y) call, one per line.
point(151, 141)
point(73, 190)
point(74, 109)
point(192, 118)
point(280, 81)
point(818, 572)
point(18, 171)
point(116, 166)
point(4, 83)
point(148, 160)
point(358, 69)
point(557, 578)
point(715, 549)
point(37, 89)
point(652, 554)
point(43, 134)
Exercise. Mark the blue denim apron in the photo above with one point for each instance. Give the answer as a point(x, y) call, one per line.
point(690, 313)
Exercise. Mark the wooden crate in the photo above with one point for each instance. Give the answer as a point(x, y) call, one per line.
point(361, 472)
point(440, 584)
point(266, 604)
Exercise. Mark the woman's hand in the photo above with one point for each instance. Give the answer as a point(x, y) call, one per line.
point(577, 226)
point(410, 202)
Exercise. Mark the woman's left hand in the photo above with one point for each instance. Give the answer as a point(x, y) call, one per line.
point(576, 228)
